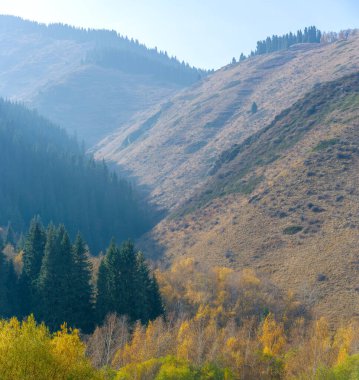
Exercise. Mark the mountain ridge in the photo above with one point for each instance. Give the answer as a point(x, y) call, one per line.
point(84, 79)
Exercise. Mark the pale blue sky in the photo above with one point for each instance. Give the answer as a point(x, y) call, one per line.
point(205, 33)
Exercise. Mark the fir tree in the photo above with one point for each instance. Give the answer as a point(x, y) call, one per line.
point(155, 300)
point(125, 285)
point(149, 301)
point(34, 250)
point(55, 279)
point(32, 260)
point(82, 309)
point(102, 299)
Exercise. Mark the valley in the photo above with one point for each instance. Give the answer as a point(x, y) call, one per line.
point(159, 221)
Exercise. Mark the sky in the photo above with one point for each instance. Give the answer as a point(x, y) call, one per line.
point(204, 33)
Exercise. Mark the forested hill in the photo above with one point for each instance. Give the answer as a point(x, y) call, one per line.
point(89, 81)
point(44, 172)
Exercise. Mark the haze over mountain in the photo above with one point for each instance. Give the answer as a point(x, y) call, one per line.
point(45, 173)
point(88, 81)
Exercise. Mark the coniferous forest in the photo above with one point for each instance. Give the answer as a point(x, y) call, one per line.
point(55, 282)
point(44, 172)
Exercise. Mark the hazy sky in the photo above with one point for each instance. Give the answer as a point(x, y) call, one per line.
point(206, 33)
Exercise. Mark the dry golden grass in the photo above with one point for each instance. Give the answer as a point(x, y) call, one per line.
point(314, 189)
point(165, 158)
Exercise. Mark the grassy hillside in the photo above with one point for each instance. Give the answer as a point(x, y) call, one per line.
point(179, 141)
point(89, 81)
point(285, 202)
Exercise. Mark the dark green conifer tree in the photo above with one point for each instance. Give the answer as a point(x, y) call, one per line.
point(103, 293)
point(55, 279)
point(33, 254)
point(125, 285)
point(155, 300)
point(82, 308)
point(107, 288)
point(149, 301)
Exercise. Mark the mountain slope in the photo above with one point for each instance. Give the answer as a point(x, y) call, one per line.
point(286, 203)
point(178, 142)
point(89, 81)
point(44, 172)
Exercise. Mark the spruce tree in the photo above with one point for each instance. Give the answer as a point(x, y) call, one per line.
point(55, 279)
point(155, 300)
point(82, 308)
point(128, 278)
point(109, 289)
point(143, 289)
point(34, 250)
point(125, 285)
point(149, 301)
point(33, 254)
point(103, 293)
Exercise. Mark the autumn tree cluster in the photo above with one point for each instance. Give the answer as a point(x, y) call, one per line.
point(55, 283)
point(223, 324)
point(220, 324)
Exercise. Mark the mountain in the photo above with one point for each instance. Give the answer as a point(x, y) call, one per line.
point(285, 203)
point(44, 172)
point(88, 81)
point(257, 167)
point(172, 148)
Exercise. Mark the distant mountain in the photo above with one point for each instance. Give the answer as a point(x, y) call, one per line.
point(88, 81)
point(44, 172)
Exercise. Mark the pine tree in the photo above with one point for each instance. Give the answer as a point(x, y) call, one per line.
point(106, 284)
point(102, 299)
point(128, 278)
point(55, 279)
point(143, 289)
point(125, 285)
point(32, 260)
point(34, 250)
point(149, 301)
point(82, 308)
point(155, 300)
